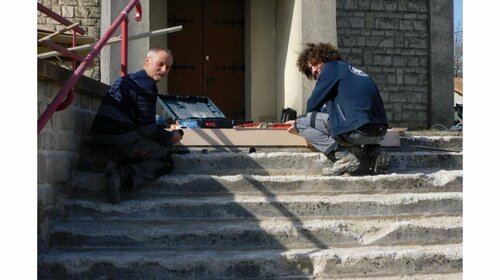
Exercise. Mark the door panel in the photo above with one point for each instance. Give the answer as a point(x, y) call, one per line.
point(209, 52)
point(186, 76)
point(224, 24)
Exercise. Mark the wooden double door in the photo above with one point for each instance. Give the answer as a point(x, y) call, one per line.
point(209, 52)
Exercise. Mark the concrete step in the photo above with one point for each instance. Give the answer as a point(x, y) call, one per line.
point(452, 141)
point(435, 181)
point(445, 142)
point(440, 276)
point(268, 205)
point(291, 163)
point(402, 161)
point(369, 261)
point(438, 181)
point(277, 233)
point(433, 139)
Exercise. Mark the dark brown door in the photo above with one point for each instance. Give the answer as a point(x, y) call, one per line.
point(209, 52)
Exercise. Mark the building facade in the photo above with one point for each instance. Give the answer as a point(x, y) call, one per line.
point(405, 45)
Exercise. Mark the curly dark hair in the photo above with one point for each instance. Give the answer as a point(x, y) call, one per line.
point(321, 52)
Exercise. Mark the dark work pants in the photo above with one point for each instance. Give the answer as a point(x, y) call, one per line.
point(314, 128)
point(145, 160)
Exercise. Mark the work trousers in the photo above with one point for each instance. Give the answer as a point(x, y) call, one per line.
point(315, 129)
point(144, 160)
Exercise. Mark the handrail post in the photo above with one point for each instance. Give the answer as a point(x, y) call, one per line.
point(71, 95)
point(124, 48)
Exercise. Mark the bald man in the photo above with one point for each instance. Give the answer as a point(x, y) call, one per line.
point(137, 150)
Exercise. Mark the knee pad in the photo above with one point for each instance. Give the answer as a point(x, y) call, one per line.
point(305, 121)
point(301, 123)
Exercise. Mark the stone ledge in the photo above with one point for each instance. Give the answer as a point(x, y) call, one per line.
point(59, 75)
point(231, 264)
point(248, 206)
point(196, 184)
point(251, 234)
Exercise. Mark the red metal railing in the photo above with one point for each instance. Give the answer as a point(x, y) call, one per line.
point(64, 94)
point(47, 42)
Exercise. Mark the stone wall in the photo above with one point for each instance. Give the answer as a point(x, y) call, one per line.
point(60, 140)
point(389, 40)
point(86, 12)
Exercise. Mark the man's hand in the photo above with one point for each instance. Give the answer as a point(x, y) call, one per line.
point(292, 129)
point(175, 137)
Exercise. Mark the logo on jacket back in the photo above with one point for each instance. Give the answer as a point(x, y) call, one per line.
point(356, 71)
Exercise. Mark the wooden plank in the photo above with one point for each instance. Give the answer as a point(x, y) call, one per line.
point(65, 38)
point(232, 137)
point(227, 137)
point(55, 33)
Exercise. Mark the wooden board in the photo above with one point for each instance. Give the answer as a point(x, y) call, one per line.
point(256, 138)
point(65, 40)
point(232, 137)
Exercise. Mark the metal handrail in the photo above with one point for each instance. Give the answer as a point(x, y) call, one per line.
point(59, 18)
point(87, 61)
point(46, 41)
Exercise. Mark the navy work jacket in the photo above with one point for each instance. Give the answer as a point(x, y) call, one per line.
point(128, 112)
point(352, 98)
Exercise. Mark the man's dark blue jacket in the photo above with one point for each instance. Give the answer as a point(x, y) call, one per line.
point(128, 112)
point(351, 96)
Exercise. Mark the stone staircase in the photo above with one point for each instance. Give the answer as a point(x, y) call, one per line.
point(231, 214)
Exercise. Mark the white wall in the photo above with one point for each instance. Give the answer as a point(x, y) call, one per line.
point(260, 60)
point(154, 17)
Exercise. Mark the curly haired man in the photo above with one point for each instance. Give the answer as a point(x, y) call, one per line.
point(345, 117)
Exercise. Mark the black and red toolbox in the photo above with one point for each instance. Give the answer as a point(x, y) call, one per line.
point(193, 112)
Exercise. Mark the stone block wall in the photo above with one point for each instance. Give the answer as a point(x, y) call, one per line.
point(60, 140)
point(86, 12)
point(389, 39)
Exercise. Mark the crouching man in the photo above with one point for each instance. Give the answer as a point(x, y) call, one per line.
point(125, 133)
point(345, 117)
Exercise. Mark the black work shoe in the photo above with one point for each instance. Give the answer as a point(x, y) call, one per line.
point(379, 159)
point(344, 161)
point(364, 161)
point(114, 180)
